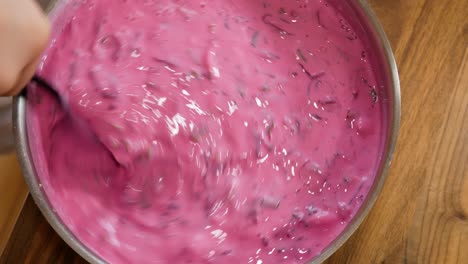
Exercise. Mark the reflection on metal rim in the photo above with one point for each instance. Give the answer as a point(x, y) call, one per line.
point(362, 7)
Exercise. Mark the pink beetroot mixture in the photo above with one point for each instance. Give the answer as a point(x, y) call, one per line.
point(246, 131)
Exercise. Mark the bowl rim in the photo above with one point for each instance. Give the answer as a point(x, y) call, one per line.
point(41, 200)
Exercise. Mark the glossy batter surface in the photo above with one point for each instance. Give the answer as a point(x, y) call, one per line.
point(236, 131)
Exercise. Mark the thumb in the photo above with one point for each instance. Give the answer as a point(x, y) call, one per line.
point(24, 31)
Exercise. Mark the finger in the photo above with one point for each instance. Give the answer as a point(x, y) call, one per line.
point(24, 78)
point(24, 38)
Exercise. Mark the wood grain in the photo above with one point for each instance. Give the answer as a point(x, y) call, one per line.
point(422, 214)
point(34, 241)
point(13, 193)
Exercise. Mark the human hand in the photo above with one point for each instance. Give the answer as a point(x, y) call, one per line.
point(24, 33)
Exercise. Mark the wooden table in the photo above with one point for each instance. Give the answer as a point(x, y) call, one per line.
point(422, 214)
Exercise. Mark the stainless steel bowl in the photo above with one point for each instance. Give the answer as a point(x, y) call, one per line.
point(393, 93)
